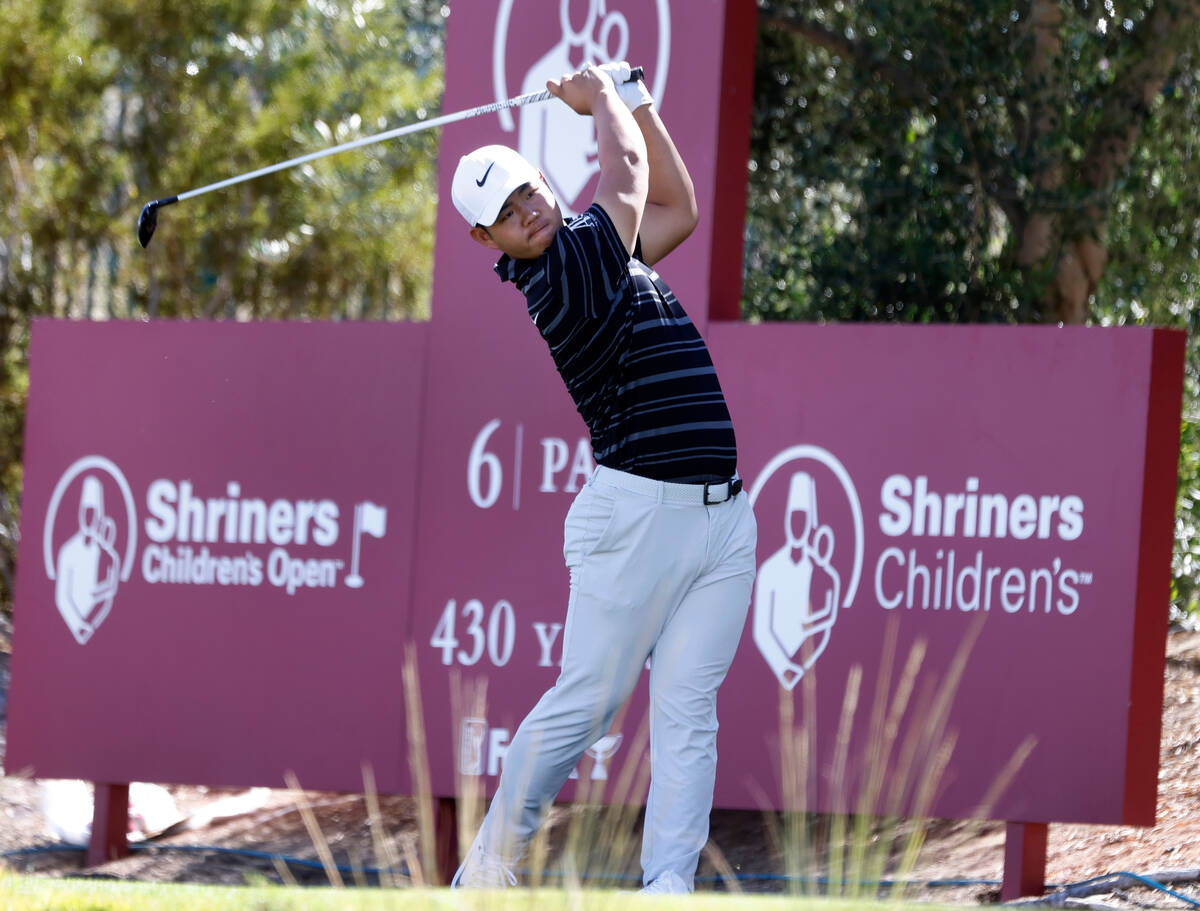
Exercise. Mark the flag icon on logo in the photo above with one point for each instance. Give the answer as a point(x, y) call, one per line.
point(368, 519)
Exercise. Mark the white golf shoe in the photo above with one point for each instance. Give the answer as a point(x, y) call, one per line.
point(481, 870)
point(669, 883)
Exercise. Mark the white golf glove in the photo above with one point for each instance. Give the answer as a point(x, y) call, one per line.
point(634, 94)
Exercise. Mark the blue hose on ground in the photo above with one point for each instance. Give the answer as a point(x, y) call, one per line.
point(1112, 879)
point(1115, 879)
point(206, 849)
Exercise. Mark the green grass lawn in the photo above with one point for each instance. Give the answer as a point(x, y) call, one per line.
point(32, 893)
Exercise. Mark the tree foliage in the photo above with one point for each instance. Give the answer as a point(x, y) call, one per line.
point(1031, 161)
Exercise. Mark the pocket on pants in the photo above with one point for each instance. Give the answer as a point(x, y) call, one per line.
point(587, 524)
point(615, 561)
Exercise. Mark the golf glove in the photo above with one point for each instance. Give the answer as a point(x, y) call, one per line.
point(634, 94)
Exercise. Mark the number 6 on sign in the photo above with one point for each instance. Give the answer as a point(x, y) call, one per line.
point(480, 460)
point(499, 640)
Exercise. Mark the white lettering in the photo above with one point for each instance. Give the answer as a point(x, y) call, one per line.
point(898, 518)
point(326, 532)
point(546, 634)
point(908, 506)
point(1012, 587)
point(497, 749)
point(191, 514)
point(253, 524)
point(554, 460)
point(501, 634)
point(159, 497)
point(949, 582)
point(893, 553)
point(285, 571)
point(582, 466)
point(480, 462)
point(186, 566)
point(1022, 519)
point(1070, 515)
point(176, 513)
point(994, 513)
point(927, 508)
point(971, 519)
point(1066, 586)
point(281, 520)
point(972, 573)
point(305, 510)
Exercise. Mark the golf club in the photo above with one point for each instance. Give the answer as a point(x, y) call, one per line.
point(148, 219)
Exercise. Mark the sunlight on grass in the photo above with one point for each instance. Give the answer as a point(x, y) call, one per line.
point(28, 893)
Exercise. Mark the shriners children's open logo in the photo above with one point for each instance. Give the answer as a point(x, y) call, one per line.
point(551, 136)
point(90, 546)
point(805, 500)
point(92, 551)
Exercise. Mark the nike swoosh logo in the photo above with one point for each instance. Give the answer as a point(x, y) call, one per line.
point(483, 179)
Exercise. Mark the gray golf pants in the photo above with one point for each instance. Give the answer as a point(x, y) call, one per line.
point(654, 573)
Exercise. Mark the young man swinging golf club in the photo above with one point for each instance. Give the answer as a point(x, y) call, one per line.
point(660, 543)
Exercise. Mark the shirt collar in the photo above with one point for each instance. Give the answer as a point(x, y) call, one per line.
point(509, 269)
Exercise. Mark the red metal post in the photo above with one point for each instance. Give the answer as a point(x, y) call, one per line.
point(1024, 860)
point(110, 824)
point(446, 835)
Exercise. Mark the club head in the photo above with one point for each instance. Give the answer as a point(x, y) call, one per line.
point(147, 222)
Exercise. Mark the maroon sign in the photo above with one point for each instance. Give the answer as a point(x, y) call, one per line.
point(983, 495)
point(216, 544)
point(218, 553)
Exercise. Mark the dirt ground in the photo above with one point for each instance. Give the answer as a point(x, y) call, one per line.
point(272, 824)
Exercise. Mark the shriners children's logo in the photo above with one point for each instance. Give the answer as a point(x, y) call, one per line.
point(584, 32)
point(806, 493)
point(91, 553)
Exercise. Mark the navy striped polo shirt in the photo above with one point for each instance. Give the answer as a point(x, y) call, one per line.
point(633, 362)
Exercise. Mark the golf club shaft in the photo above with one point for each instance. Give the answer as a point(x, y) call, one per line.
point(529, 98)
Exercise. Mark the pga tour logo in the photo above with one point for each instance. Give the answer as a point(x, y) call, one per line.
point(91, 533)
point(545, 47)
point(810, 516)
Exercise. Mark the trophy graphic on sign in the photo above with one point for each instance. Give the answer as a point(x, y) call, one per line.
point(601, 751)
point(368, 519)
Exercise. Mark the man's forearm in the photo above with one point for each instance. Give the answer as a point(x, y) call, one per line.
point(619, 141)
point(670, 185)
point(670, 214)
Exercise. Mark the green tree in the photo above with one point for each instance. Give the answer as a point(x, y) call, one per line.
point(1034, 161)
point(108, 105)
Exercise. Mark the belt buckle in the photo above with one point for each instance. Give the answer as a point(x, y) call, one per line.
point(732, 489)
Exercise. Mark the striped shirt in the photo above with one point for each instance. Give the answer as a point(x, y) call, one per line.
point(633, 362)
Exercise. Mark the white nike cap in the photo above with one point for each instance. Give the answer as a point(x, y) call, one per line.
point(485, 178)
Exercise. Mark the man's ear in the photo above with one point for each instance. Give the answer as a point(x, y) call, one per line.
point(481, 236)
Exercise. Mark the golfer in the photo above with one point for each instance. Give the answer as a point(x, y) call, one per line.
point(660, 543)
